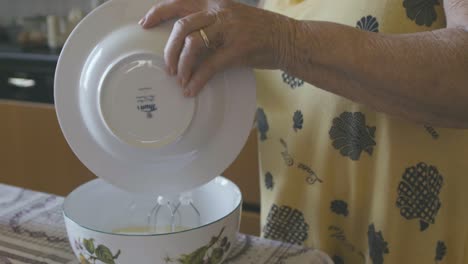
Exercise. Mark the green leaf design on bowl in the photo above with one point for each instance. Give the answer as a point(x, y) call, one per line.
point(104, 254)
point(217, 255)
point(101, 253)
point(89, 245)
point(195, 257)
point(211, 253)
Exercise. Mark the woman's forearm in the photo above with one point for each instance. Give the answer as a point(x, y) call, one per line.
point(422, 77)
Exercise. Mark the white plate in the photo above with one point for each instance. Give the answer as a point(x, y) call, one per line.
point(129, 123)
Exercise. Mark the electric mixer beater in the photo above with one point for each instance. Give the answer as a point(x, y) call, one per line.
point(180, 210)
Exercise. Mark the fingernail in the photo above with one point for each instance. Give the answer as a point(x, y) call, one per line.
point(186, 92)
point(142, 21)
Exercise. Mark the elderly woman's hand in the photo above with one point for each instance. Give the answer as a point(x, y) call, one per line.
point(212, 35)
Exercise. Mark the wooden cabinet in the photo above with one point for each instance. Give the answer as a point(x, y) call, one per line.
point(33, 151)
point(35, 155)
point(250, 223)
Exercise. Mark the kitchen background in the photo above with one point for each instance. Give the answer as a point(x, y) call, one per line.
point(16, 8)
point(22, 8)
point(33, 151)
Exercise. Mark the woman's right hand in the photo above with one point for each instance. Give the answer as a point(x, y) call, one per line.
point(238, 35)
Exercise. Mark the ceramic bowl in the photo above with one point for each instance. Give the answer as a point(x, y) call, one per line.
point(106, 225)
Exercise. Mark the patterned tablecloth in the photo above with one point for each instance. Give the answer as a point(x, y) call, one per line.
point(32, 231)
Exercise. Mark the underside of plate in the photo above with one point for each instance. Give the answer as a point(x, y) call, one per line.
point(141, 104)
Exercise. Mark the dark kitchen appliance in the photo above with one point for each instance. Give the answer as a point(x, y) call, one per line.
point(27, 74)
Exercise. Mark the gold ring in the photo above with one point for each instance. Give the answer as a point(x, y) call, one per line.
point(205, 38)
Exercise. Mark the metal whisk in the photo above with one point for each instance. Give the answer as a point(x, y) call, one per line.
point(175, 210)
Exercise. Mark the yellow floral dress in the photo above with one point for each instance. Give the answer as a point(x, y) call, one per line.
point(363, 186)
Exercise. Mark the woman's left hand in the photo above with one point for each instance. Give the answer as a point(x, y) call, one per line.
point(212, 35)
